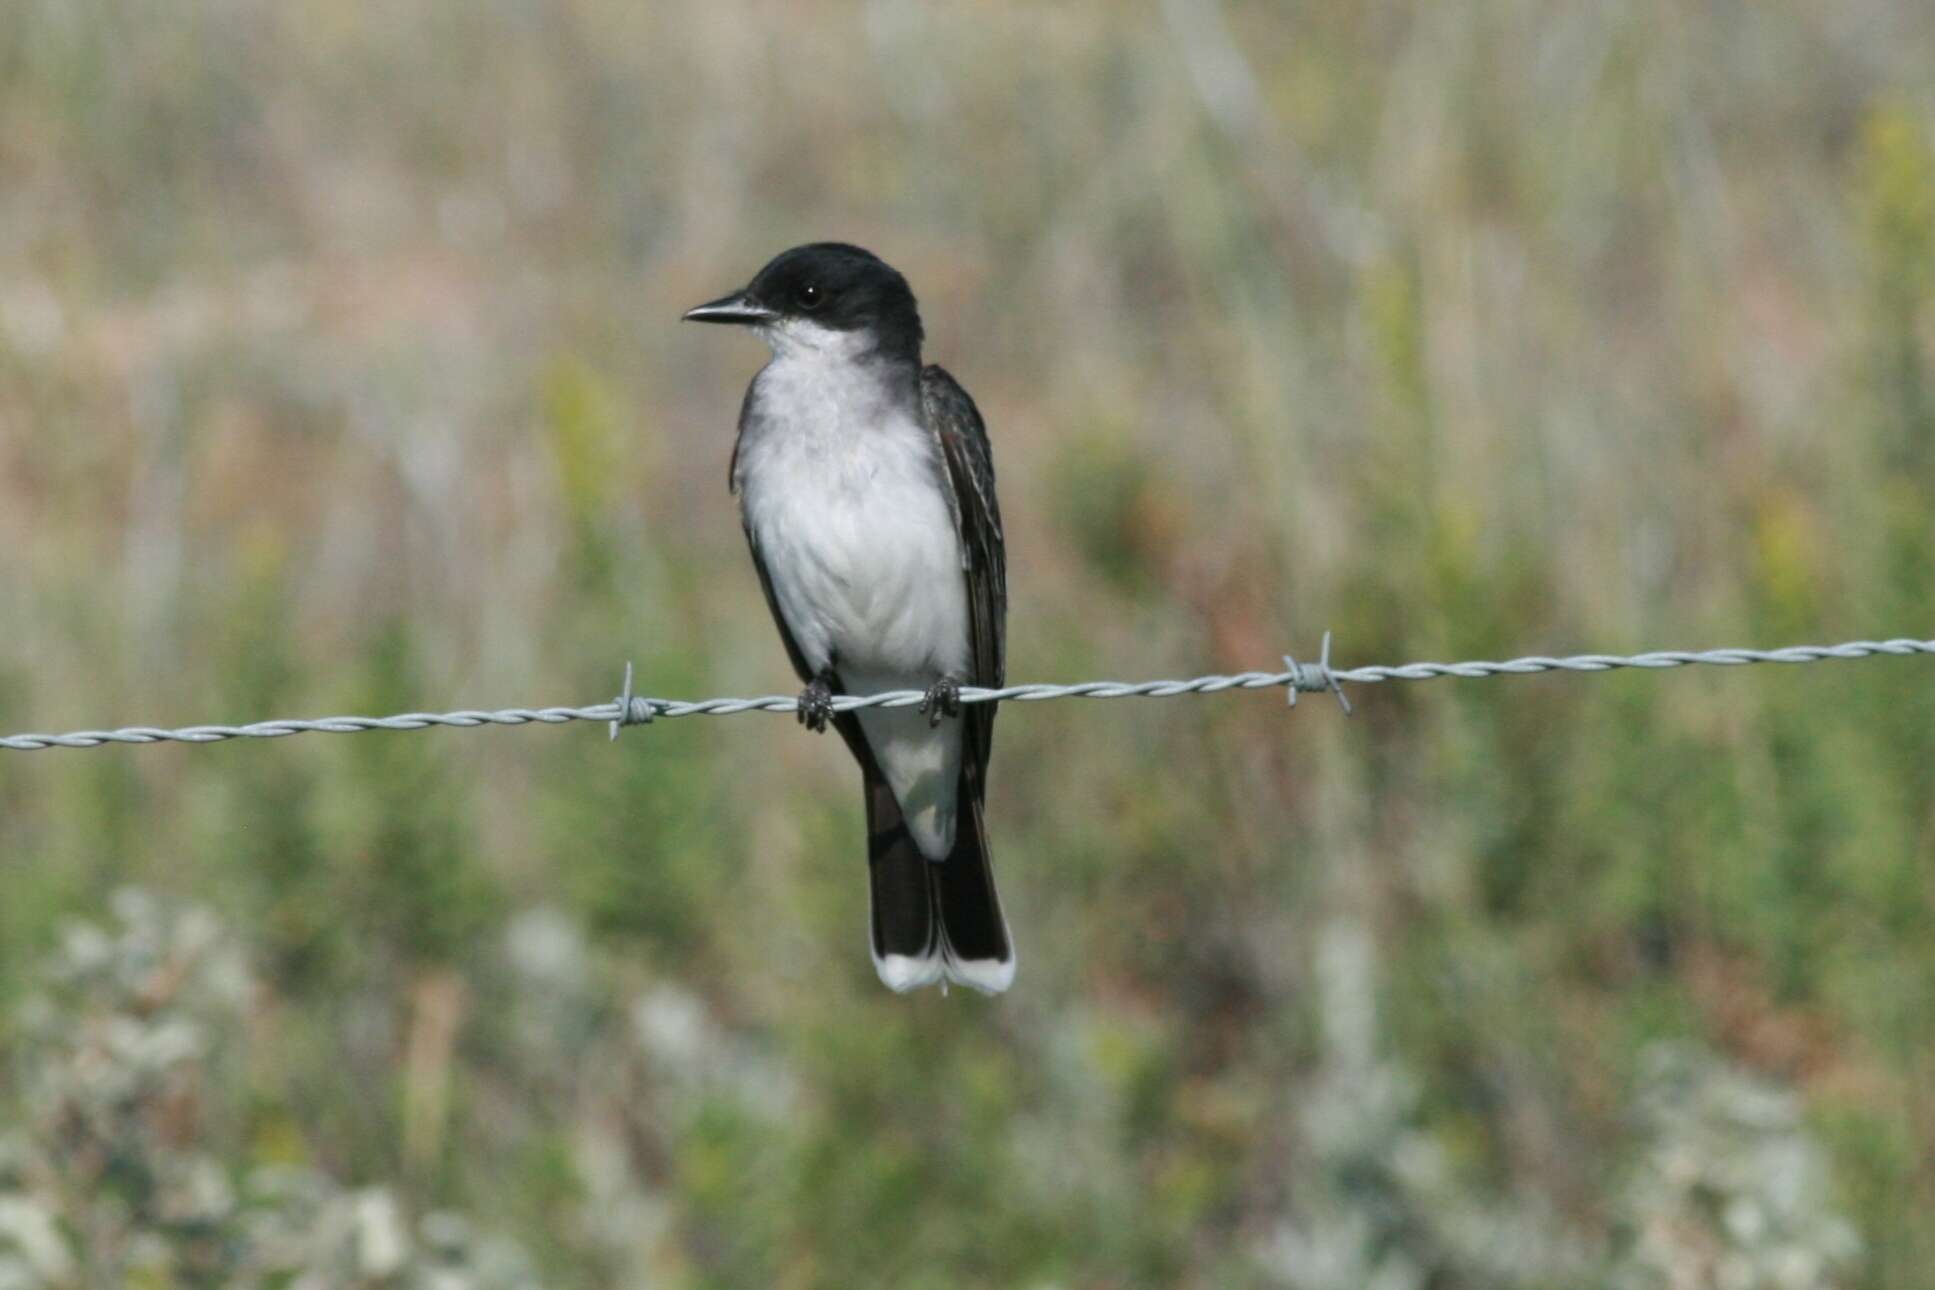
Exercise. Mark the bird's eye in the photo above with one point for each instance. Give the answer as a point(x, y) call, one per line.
point(810, 297)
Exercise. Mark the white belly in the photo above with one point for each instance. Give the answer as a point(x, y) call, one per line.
point(864, 561)
point(859, 544)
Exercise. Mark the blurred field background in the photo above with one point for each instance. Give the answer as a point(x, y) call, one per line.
point(339, 372)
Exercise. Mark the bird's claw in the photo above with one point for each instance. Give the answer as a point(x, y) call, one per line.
point(943, 699)
point(816, 705)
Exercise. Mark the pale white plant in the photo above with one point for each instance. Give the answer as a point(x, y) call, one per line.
point(114, 1169)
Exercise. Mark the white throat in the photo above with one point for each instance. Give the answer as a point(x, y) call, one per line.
point(800, 338)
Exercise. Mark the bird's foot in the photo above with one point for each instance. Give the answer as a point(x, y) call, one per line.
point(816, 705)
point(943, 699)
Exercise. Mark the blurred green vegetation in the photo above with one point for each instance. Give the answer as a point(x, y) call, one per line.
point(339, 372)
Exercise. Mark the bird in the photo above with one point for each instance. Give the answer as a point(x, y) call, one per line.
point(866, 491)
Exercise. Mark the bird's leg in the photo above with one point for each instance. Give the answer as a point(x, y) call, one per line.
point(816, 703)
point(943, 699)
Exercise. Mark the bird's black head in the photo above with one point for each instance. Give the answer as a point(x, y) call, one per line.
point(821, 288)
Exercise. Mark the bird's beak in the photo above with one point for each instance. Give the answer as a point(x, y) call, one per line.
point(734, 308)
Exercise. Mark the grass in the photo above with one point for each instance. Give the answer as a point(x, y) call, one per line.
point(339, 372)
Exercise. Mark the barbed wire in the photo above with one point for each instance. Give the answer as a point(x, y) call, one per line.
point(629, 709)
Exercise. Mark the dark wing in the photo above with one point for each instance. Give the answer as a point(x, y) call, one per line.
point(732, 467)
point(772, 603)
point(752, 542)
point(957, 428)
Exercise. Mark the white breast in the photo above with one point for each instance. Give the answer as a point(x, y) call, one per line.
point(841, 491)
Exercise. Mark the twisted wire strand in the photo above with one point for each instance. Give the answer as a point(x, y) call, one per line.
point(628, 709)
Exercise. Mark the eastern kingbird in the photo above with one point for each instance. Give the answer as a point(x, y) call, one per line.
point(866, 488)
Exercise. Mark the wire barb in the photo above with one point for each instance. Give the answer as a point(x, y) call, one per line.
point(1315, 678)
point(630, 709)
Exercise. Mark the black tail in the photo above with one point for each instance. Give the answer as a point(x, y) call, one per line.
point(934, 920)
